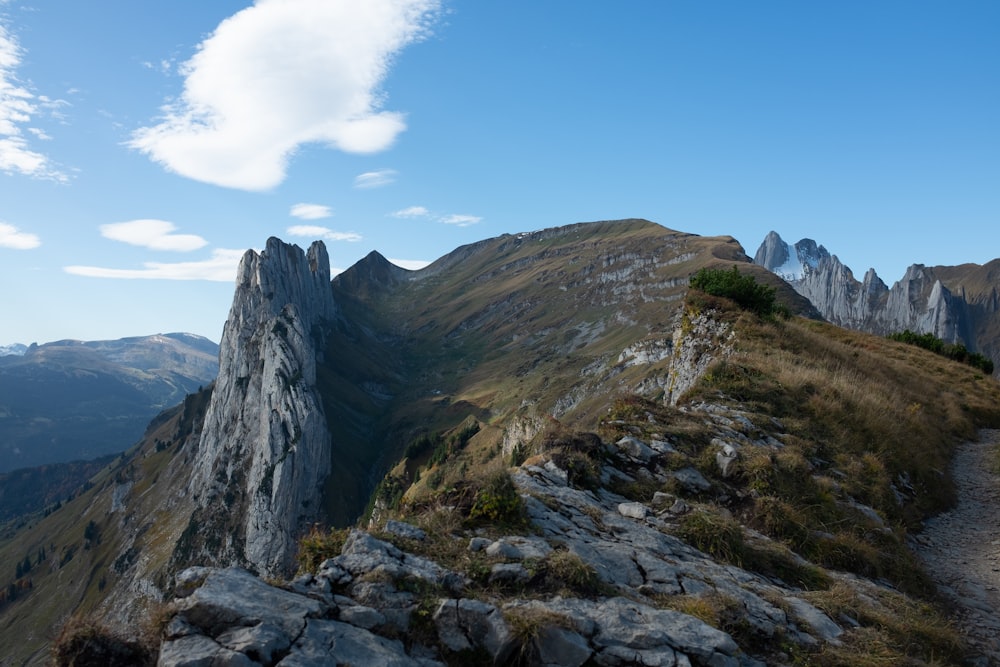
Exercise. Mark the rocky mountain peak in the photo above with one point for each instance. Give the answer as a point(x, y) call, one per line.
point(373, 272)
point(264, 450)
point(791, 262)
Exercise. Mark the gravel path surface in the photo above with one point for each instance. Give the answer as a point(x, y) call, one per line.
point(961, 548)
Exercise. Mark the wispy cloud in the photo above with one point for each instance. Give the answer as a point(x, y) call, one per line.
point(310, 211)
point(280, 74)
point(325, 233)
point(221, 267)
point(17, 107)
point(460, 220)
point(449, 219)
point(411, 212)
point(375, 179)
point(12, 237)
point(153, 234)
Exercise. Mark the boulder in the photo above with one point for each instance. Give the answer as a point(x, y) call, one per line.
point(465, 624)
point(633, 510)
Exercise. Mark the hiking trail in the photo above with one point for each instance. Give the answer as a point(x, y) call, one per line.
point(961, 547)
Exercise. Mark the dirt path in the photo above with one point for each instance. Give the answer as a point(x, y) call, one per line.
point(962, 547)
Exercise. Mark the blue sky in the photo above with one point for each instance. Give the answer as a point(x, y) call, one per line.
point(145, 146)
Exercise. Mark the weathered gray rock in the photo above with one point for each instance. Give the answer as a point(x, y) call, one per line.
point(508, 573)
point(635, 449)
point(235, 598)
point(361, 616)
point(265, 447)
point(365, 554)
point(479, 543)
point(405, 530)
point(661, 446)
point(821, 625)
point(696, 346)
point(518, 547)
point(263, 642)
point(325, 642)
point(692, 480)
point(560, 647)
point(465, 624)
point(633, 510)
point(200, 651)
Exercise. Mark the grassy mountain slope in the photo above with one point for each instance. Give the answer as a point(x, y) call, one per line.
point(847, 448)
point(519, 326)
point(534, 339)
point(104, 549)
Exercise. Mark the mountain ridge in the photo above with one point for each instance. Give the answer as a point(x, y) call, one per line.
point(574, 362)
point(71, 399)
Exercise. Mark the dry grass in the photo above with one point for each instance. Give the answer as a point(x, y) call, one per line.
point(874, 422)
point(527, 625)
point(318, 545)
point(894, 629)
point(84, 642)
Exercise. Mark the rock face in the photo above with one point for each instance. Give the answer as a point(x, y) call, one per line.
point(955, 304)
point(264, 452)
point(377, 602)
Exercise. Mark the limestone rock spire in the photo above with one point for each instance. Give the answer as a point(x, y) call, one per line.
point(264, 451)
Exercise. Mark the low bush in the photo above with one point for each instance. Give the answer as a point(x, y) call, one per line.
point(743, 289)
point(954, 351)
point(497, 502)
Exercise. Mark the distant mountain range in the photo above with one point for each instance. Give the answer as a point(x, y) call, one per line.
point(958, 304)
point(71, 400)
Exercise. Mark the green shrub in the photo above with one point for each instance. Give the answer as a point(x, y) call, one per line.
point(497, 502)
point(954, 351)
point(743, 289)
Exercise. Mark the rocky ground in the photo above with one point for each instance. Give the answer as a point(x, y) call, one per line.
point(596, 573)
point(962, 547)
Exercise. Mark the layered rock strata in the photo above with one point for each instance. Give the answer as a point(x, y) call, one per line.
point(264, 451)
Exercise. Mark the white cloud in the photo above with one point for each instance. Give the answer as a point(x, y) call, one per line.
point(325, 233)
point(281, 74)
point(153, 234)
point(374, 179)
point(17, 106)
point(450, 219)
point(460, 220)
point(411, 264)
point(12, 237)
point(411, 212)
point(221, 267)
point(310, 211)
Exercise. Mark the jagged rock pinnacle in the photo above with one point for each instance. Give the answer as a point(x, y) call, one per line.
point(265, 447)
